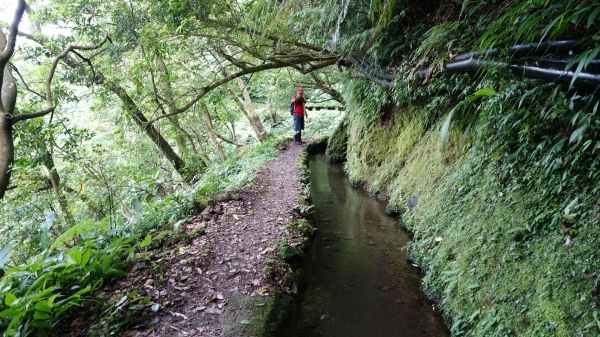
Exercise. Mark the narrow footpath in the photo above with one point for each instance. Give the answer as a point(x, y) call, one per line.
point(190, 280)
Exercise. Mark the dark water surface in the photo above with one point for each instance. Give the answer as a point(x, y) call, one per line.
point(360, 283)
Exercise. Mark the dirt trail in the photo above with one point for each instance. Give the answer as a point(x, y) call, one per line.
point(190, 281)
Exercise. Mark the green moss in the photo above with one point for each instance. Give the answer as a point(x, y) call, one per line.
point(287, 252)
point(338, 143)
point(202, 201)
point(259, 316)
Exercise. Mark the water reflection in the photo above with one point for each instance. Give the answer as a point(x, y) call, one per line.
point(360, 284)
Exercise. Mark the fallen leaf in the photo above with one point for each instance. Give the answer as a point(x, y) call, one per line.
point(220, 296)
point(399, 301)
point(178, 314)
point(386, 288)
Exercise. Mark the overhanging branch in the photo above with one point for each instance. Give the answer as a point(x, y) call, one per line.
point(324, 62)
point(49, 104)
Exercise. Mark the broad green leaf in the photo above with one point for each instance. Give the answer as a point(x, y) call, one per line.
point(10, 312)
point(75, 254)
point(43, 306)
point(41, 315)
point(115, 272)
point(86, 257)
point(577, 133)
point(592, 16)
point(106, 263)
point(445, 129)
point(9, 299)
point(51, 300)
point(485, 92)
point(146, 241)
point(5, 254)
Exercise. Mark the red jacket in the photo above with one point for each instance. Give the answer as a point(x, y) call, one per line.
point(299, 104)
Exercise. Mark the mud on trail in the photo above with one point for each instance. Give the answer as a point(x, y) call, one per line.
point(218, 253)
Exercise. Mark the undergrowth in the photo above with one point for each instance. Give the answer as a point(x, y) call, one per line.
point(36, 295)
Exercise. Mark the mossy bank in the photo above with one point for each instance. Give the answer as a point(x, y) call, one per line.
point(505, 225)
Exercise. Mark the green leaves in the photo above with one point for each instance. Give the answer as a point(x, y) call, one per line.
point(5, 254)
point(478, 94)
point(146, 241)
point(37, 294)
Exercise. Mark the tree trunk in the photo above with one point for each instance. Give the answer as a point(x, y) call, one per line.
point(150, 130)
point(272, 111)
point(252, 116)
point(213, 138)
point(55, 180)
point(8, 98)
point(7, 151)
point(182, 136)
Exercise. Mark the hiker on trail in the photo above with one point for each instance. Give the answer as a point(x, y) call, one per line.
point(299, 104)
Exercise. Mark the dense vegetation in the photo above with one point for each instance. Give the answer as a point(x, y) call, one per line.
point(120, 117)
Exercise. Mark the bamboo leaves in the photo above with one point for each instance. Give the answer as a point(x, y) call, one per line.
point(5, 254)
point(478, 94)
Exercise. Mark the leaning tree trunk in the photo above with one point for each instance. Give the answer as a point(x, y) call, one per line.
point(60, 196)
point(150, 130)
point(252, 116)
point(213, 137)
point(8, 98)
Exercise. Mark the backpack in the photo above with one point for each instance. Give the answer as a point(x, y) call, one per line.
point(291, 109)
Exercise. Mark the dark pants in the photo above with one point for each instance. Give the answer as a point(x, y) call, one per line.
point(298, 123)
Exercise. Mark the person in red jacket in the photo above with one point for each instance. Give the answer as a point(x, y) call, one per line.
point(299, 115)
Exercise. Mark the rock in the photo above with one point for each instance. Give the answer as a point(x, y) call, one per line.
point(412, 203)
point(225, 196)
point(202, 202)
point(270, 316)
point(289, 253)
point(198, 230)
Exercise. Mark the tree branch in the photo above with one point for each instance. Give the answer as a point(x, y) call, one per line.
point(226, 140)
point(12, 66)
point(326, 61)
point(49, 104)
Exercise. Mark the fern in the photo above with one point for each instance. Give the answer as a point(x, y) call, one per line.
point(436, 38)
point(78, 230)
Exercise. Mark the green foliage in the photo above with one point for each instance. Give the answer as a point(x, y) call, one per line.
point(529, 21)
point(88, 228)
point(513, 199)
point(338, 143)
point(38, 294)
point(5, 254)
point(479, 93)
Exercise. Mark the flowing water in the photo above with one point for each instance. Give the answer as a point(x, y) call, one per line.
point(360, 283)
